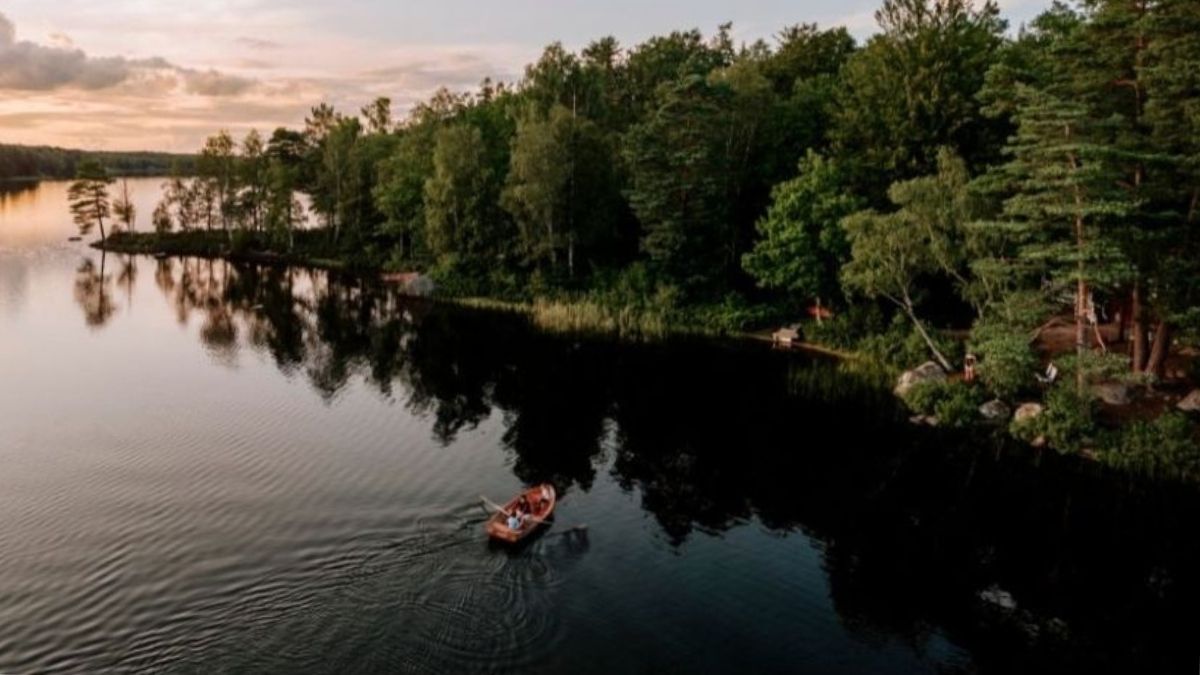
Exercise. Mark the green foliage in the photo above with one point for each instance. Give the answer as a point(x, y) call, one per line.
point(912, 90)
point(955, 404)
point(1068, 423)
point(1007, 364)
point(560, 188)
point(901, 346)
point(32, 162)
point(677, 167)
point(849, 327)
point(88, 197)
point(1165, 447)
point(455, 213)
point(802, 244)
point(1002, 341)
point(960, 408)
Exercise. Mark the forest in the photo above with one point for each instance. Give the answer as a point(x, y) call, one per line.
point(953, 186)
point(32, 162)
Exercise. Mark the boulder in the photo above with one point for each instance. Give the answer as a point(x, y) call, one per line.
point(999, 598)
point(995, 410)
point(1028, 411)
point(1191, 402)
point(925, 420)
point(926, 372)
point(1112, 393)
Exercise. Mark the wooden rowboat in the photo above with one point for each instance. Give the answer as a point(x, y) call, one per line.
point(541, 499)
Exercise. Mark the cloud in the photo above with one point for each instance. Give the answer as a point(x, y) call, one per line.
point(61, 40)
point(451, 70)
point(257, 43)
point(27, 66)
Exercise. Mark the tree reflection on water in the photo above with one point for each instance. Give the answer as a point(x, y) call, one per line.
point(1029, 562)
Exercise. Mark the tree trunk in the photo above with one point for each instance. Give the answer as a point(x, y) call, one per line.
point(937, 354)
point(1160, 350)
point(1080, 332)
point(571, 255)
point(1138, 326)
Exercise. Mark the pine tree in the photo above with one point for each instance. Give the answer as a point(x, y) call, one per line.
point(1065, 196)
point(88, 197)
point(1170, 71)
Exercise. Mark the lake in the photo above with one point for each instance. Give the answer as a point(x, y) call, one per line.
point(208, 467)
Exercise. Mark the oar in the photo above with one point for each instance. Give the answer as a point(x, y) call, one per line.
point(493, 505)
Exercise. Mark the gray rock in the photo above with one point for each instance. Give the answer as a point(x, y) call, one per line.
point(998, 597)
point(1028, 411)
point(925, 420)
point(1191, 402)
point(926, 372)
point(995, 410)
point(1112, 393)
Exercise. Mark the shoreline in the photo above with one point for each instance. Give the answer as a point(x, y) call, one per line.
point(213, 245)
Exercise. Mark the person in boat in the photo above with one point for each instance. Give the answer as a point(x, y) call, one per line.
point(515, 520)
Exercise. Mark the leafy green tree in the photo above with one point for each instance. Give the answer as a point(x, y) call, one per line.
point(558, 190)
point(217, 166)
point(378, 116)
point(284, 212)
point(399, 193)
point(455, 213)
point(334, 173)
point(677, 189)
point(913, 89)
point(888, 258)
point(804, 52)
point(88, 197)
point(802, 244)
point(253, 180)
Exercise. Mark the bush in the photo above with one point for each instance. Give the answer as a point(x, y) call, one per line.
point(1166, 446)
point(1007, 364)
point(924, 397)
point(846, 329)
point(955, 404)
point(902, 347)
point(735, 314)
point(960, 407)
point(1068, 423)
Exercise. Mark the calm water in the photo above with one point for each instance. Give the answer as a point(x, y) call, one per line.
point(207, 467)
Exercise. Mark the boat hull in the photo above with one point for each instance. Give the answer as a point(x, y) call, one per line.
point(543, 498)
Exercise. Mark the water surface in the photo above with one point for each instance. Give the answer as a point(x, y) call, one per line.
point(215, 467)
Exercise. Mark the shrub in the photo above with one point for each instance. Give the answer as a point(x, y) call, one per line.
point(902, 347)
point(960, 407)
point(1068, 422)
point(925, 396)
point(955, 404)
point(846, 329)
point(1007, 364)
point(1166, 446)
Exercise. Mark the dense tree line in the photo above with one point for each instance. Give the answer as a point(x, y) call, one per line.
point(31, 162)
point(948, 162)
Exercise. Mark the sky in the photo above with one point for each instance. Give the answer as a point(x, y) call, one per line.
point(163, 74)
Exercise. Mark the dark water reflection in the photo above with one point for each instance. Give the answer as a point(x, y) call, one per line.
point(747, 511)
